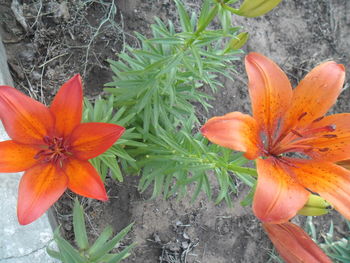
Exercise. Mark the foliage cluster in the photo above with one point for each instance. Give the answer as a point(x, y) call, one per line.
point(155, 88)
point(99, 251)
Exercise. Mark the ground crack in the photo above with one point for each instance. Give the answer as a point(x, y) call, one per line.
point(28, 254)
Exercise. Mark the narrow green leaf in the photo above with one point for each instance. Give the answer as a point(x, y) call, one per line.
point(206, 20)
point(184, 18)
point(54, 254)
point(248, 199)
point(105, 248)
point(112, 164)
point(166, 41)
point(121, 255)
point(101, 240)
point(204, 13)
point(122, 153)
point(69, 254)
point(198, 59)
point(79, 226)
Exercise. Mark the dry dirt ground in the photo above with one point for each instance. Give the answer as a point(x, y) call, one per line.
point(48, 41)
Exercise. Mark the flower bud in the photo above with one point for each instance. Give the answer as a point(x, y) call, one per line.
point(239, 40)
point(315, 206)
point(253, 8)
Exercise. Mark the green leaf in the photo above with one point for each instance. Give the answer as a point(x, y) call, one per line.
point(198, 59)
point(247, 179)
point(248, 199)
point(121, 255)
point(112, 164)
point(54, 254)
point(105, 248)
point(119, 151)
point(79, 226)
point(184, 18)
point(166, 40)
point(204, 13)
point(101, 240)
point(69, 254)
point(206, 20)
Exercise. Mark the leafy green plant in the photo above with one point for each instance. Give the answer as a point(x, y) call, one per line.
point(98, 252)
point(338, 250)
point(175, 158)
point(103, 111)
point(156, 85)
point(158, 82)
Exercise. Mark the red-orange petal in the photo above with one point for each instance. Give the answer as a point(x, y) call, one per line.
point(315, 94)
point(39, 188)
point(234, 130)
point(329, 180)
point(277, 196)
point(67, 106)
point(89, 140)
point(326, 145)
point(269, 89)
point(25, 120)
point(15, 157)
point(294, 245)
point(84, 180)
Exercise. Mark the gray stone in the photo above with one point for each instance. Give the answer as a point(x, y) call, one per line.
point(18, 244)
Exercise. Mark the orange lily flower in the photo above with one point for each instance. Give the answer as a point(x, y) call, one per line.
point(53, 147)
point(294, 245)
point(297, 145)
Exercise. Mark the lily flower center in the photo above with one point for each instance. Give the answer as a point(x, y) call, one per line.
point(298, 142)
point(55, 151)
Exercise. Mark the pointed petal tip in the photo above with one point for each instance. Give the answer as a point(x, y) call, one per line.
point(76, 78)
point(203, 130)
point(67, 106)
point(103, 198)
point(341, 67)
point(24, 220)
point(253, 57)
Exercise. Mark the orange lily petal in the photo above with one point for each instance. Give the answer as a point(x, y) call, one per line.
point(67, 106)
point(84, 180)
point(294, 245)
point(277, 196)
point(89, 140)
point(234, 130)
point(25, 120)
point(315, 94)
point(39, 188)
point(331, 146)
point(270, 91)
point(329, 180)
point(15, 157)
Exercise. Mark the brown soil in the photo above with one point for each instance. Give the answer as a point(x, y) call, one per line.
point(61, 38)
